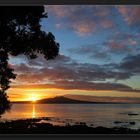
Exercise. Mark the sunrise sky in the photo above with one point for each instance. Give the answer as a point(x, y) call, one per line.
point(99, 55)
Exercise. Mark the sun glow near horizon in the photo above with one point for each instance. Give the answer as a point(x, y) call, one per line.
point(33, 99)
point(32, 94)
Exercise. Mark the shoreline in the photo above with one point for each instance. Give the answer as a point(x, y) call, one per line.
point(35, 126)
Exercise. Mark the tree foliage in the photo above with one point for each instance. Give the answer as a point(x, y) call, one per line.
point(20, 33)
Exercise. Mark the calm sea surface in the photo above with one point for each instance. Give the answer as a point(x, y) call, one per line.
point(92, 114)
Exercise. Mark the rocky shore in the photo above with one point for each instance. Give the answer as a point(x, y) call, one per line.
point(33, 126)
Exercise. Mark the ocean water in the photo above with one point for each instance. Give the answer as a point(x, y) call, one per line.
point(92, 114)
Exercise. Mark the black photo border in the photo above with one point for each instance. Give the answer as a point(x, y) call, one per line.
point(68, 2)
point(68, 136)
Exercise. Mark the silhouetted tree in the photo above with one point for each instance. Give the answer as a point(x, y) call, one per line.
point(20, 33)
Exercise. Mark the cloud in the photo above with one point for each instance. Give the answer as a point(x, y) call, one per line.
point(131, 64)
point(89, 19)
point(82, 20)
point(116, 47)
point(24, 68)
point(64, 68)
point(84, 27)
point(107, 23)
point(92, 51)
point(65, 73)
point(105, 98)
point(42, 62)
point(123, 43)
point(119, 44)
point(80, 85)
point(130, 14)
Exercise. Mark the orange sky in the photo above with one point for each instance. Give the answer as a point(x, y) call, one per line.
point(29, 94)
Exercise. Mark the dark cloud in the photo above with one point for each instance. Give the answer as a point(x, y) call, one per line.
point(131, 64)
point(105, 98)
point(42, 62)
point(24, 68)
point(65, 73)
point(93, 51)
point(64, 68)
point(81, 85)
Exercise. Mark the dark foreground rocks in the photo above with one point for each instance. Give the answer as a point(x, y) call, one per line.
point(30, 126)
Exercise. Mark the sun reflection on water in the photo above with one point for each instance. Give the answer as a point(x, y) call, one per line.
point(33, 111)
